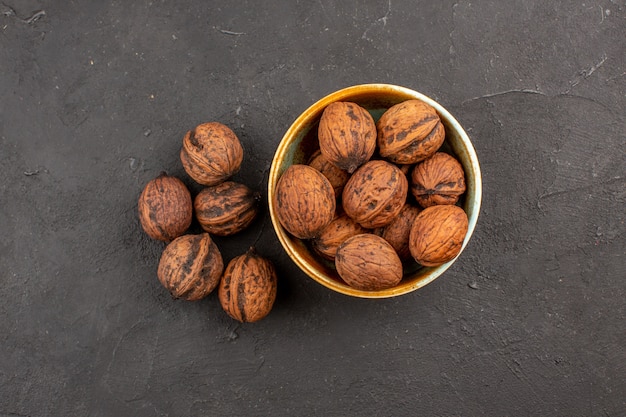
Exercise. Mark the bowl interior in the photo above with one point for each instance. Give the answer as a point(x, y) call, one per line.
point(300, 142)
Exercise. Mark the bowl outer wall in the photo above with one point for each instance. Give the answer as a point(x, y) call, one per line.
point(289, 151)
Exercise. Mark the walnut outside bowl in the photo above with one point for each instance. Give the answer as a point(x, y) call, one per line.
point(300, 142)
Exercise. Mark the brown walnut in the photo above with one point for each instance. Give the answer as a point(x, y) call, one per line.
point(375, 194)
point(227, 208)
point(337, 176)
point(437, 234)
point(438, 180)
point(211, 153)
point(347, 135)
point(248, 287)
point(397, 232)
point(191, 267)
point(368, 262)
point(304, 201)
point(409, 132)
point(406, 169)
point(340, 229)
point(165, 209)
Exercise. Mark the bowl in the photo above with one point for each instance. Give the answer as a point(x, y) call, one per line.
point(299, 143)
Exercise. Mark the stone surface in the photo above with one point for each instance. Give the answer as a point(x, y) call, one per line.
point(96, 97)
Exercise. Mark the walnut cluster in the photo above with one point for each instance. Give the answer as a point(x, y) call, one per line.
point(191, 265)
point(377, 195)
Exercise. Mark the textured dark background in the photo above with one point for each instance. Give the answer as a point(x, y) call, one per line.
point(95, 97)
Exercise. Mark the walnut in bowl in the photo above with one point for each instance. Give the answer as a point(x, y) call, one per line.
point(301, 141)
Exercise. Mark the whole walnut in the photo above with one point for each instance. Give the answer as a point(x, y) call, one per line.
point(337, 176)
point(165, 210)
point(347, 135)
point(248, 287)
point(304, 201)
point(191, 267)
point(368, 262)
point(438, 179)
point(437, 234)
point(341, 228)
point(397, 232)
point(211, 153)
point(227, 208)
point(375, 194)
point(409, 132)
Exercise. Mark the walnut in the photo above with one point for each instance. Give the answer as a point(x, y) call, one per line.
point(398, 231)
point(347, 135)
point(368, 262)
point(337, 176)
point(437, 234)
point(248, 287)
point(375, 194)
point(341, 228)
point(227, 208)
point(405, 168)
point(165, 210)
point(211, 153)
point(438, 180)
point(191, 267)
point(409, 132)
point(304, 201)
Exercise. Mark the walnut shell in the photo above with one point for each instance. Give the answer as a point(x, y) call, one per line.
point(341, 228)
point(405, 168)
point(304, 201)
point(248, 287)
point(438, 179)
point(165, 210)
point(437, 234)
point(375, 194)
point(397, 232)
point(347, 135)
point(409, 132)
point(211, 153)
point(191, 267)
point(227, 208)
point(337, 176)
point(368, 262)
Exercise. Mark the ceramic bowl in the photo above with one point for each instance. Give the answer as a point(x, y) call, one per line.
point(299, 143)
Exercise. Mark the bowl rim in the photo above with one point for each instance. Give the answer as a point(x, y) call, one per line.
point(305, 118)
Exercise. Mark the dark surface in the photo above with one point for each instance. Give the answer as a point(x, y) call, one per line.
point(95, 99)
